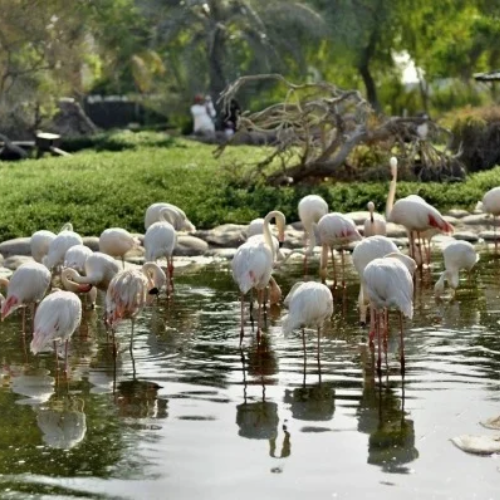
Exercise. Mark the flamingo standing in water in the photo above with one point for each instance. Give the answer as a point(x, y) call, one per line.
point(491, 205)
point(253, 264)
point(129, 292)
point(75, 258)
point(311, 208)
point(58, 247)
point(57, 317)
point(310, 305)
point(177, 217)
point(336, 230)
point(371, 248)
point(116, 242)
point(413, 212)
point(160, 240)
point(28, 285)
point(457, 255)
point(375, 224)
point(40, 242)
point(389, 283)
point(100, 269)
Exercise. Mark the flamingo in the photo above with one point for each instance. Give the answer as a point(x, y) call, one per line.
point(413, 212)
point(371, 248)
point(179, 218)
point(457, 255)
point(389, 283)
point(129, 291)
point(75, 258)
point(253, 262)
point(59, 245)
point(160, 240)
point(336, 230)
point(116, 242)
point(255, 227)
point(57, 317)
point(40, 242)
point(309, 304)
point(99, 271)
point(491, 205)
point(28, 285)
point(375, 224)
point(311, 208)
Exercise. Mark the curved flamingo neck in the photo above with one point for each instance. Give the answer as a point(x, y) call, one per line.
point(312, 237)
point(392, 194)
point(167, 215)
point(154, 273)
point(279, 217)
point(71, 280)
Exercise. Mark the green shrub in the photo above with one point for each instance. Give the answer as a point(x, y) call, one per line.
point(117, 140)
point(99, 190)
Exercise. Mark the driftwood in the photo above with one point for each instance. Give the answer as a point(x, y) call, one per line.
point(8, 144)
point(318, 126)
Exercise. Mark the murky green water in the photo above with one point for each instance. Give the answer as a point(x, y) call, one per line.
point(189, 417)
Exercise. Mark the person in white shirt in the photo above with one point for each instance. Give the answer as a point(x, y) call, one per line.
point(203, 112)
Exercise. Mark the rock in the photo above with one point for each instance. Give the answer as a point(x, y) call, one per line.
point(14, 261)
point(17, 246)
point(451, 220)
point(227, 235)
point(396, 230)
point(90, 241)
point(474, 220)
point(5, 273)
point(358, 217)
point(489, 235)
point(479, 445)
point(458, 213)
point(188, 245)
point(466, 236)
point(223, 253)
point(298, 226)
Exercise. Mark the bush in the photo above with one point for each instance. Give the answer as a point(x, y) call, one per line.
point(117, 140)
point(99, 190)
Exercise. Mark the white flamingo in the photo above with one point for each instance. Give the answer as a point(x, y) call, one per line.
point(371, 248)
point(311, 208)
point(116, 242)
point(457, 255)
point(100, 269)
point(130, 290)
point(57, 317)
point(27, 286)
point(160, 240)
point(336, 230)
point(58, 247)
point(75, 258)
point(310, 305)
point(375, 224)
point(253, 263)
point(413, 212)
point(389, 283)
point(255, 227)
point(491, 205)
point(178, 218)
point(40, 242)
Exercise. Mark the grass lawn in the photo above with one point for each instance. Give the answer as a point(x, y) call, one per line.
point(95, 190)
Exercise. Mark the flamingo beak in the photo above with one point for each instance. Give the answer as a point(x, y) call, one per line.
point(154, 291)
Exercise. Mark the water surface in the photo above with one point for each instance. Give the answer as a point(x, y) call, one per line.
point(187, 414)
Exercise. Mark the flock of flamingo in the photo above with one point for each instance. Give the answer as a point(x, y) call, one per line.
point(386, 275)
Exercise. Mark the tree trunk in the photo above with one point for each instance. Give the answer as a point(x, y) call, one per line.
point(364, 70)
point(216, 64)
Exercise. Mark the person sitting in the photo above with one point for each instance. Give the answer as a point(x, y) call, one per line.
point(203, 112)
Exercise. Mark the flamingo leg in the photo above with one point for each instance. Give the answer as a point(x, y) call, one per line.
point(242, 306)
point(115, 349)
point(412, 244)
point(319, 354)
point(343, 267)
point(379, 341)
point(495, 234)
point(170, 262)
point(305, 354)
point(402, 347)
point(132, 335)
point(259, 312)
point(334, 270)
point(55, 354)
point(24, 321)
point(66, 365)
point(428, 251)
point(373, 326)
point(419, 236)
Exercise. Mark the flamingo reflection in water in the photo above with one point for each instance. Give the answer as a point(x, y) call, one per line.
point(63, 423)
point(259, 419)
point(381, 414)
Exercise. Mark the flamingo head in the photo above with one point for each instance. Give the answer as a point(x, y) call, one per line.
point(275, 293)
point(394, 165)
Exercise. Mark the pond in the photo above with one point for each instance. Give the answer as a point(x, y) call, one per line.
point(187, 414)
